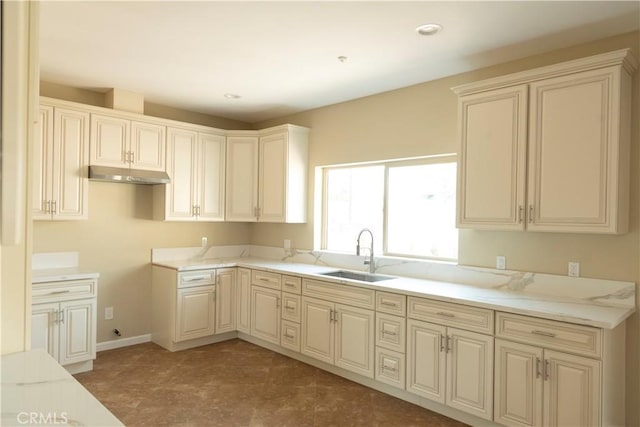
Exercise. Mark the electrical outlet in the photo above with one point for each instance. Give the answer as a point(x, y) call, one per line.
point(287, 244)
point(108, 313)
point(204, 241)
point(501, 262)
point(574, 269)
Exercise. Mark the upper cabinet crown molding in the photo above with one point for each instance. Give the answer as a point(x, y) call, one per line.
point(548, 150)
point(621, 57)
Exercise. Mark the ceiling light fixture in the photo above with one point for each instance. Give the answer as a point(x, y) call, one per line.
point(232, 96)
point(342, 58)
point(429, 29)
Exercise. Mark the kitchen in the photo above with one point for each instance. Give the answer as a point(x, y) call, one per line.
point(117, 238)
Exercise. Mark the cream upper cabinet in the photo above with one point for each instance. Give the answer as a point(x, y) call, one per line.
point(61, 153)
point(195, 164)
point(124, 143)
point(548, 149)
point(267, 175)
point(242, 178)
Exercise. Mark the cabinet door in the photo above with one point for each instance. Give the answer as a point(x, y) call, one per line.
point(148, 146)
point(491, 172)
point(77, 331)
point(426, 359)
point(211, 177)
point(317, 329)
point(195, 313)
point(44, 328)
point(470, 372)
point(272, 182)
point(265, 314)
point(42, 187)
point(243, 300)
point(573, 153)
point(571, 390)
point(225, 300)
point(518, 384)
point(70, 164)
point(242, 178)
point(110, 141)
point(181, 166)
point(355, 339)
point(291, 307)
point(290, 335)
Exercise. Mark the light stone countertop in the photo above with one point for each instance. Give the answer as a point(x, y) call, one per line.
point(61, 274)
point(36, 390)
point(583, 311)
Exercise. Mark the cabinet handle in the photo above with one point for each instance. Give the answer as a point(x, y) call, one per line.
point(530, 214)
point(544, 333)
point(538, 367)
point(442, 345)
point(263, 279)
point(290, 285)
point(388, 368)
point(289, 308)
point(388, 333)
point(46, 206)
point(520, 213)
point(60, 292)
point(198, 210)
point(390, 304)
point(131, 157)
point(547, 369)
point(54, 209)
point(443, 314)
point(195, 279)
point(61, 316)
point(449, 346)
point(290, 337)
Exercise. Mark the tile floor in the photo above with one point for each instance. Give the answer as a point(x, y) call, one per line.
point(235, 383)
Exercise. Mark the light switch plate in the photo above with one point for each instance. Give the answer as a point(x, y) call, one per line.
point(108, 313)
point(501, 262)
point(574, 269)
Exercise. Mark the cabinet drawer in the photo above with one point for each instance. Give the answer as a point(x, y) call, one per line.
point(292, 284)
point(266, 279)
point(196, 278)
point(291, 307)
point(290, 337)
point(456, 315)
point(551, 334)
point(343, 294)
point(61, 291)
point(390, 367)
point(391, 332)
point(391, 303)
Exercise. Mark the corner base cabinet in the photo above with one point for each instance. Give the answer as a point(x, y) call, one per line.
point(63, 322)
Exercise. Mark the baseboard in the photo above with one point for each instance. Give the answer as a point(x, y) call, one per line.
point(122, 342)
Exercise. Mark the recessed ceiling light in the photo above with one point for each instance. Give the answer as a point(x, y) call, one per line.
point(429, 29)
point(342, 58)
point(232, 96)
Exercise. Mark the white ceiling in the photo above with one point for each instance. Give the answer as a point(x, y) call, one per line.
point(281, 57)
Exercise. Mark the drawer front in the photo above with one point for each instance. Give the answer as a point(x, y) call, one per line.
point(290, 337)
point(291, 307)
point(387, 302)
point(449, 314)
point(583, 340)
point(391, 332)
point(390, 367)
point(343, 294)
point(292, 284)
point(62, 291)
point(266, 279)
point(196, 278)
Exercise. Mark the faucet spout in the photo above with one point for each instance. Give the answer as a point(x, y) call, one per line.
point(370, 261)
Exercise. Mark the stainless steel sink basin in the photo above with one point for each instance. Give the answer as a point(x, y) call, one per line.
point(360, 277)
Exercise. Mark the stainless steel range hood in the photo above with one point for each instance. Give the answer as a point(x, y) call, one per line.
point(127, 176)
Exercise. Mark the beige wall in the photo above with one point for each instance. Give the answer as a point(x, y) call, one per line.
point(421, 120)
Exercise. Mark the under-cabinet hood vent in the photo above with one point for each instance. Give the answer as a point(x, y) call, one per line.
point(127, 176)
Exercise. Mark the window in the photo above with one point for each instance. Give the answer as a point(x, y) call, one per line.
point(409, 206)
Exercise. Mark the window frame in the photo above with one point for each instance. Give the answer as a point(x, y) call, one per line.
point(387, 164)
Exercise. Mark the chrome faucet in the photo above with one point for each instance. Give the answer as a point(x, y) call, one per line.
point(371, 262)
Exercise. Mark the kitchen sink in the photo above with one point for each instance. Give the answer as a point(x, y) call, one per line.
point(360, 277)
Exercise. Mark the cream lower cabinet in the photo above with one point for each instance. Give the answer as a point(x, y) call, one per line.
point(265, 313)
point(243, 300)
point(63, 326)
point(338, 334)
point(291, 313)
point(225, 300)
point(195, 313)
point(61, 160)
point(557, 139)
point(536, 387)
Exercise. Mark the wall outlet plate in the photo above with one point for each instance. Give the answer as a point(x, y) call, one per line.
point(501, 262)
point(574, 269)
point(204, 241)
point(287, 244)
point(108, 313)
